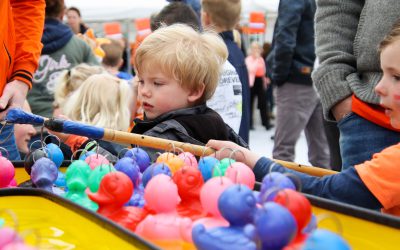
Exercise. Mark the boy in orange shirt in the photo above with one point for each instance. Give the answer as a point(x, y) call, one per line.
point(373, 184)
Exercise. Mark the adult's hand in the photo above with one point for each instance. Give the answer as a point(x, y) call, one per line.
point(14, 95)
point(242, 155)
point(342, 108)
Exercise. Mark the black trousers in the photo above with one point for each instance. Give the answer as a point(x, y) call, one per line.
point(258, 91)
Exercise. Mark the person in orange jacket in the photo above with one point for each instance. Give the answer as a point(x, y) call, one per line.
point(21, 29)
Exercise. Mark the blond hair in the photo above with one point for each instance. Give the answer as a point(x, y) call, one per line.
point(224, 14)
point(391, 37)
point(70, 80)
point(191, 58)
point(102, 100)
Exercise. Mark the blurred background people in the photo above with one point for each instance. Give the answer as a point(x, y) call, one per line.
point(21, 29)
point(113, 59)
point(74, 21)
point(222, 16)
point(62, 50)
point(69, 81)
point(350, 69)
point(291, 62)
point(258, 83)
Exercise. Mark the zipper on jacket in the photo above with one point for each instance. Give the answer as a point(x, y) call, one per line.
point(8, 54)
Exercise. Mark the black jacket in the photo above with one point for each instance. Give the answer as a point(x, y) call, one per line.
point(196, 125)
point(293, 52)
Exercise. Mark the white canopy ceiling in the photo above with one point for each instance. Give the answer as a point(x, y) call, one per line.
point(107, 10)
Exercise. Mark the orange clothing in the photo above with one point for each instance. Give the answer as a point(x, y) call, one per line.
point(75, 142)
point(21, 29)
point(381, 175)
point(372, 113)
point(255, 67)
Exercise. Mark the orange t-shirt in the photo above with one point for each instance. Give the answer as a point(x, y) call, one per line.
point(381, 175)
point(371, 112)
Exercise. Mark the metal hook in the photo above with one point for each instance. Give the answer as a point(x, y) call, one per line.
point(8, 136)
point(119, 153)
point(234, 154)
point(299, 185)
point(5, 150)
point(30, 146)
point(51, 135)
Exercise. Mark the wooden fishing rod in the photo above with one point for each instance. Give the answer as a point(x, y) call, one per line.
point(70, 127)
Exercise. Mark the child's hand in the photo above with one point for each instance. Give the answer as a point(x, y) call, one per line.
point(243, 155)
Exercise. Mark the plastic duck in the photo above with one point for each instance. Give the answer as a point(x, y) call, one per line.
point(188, 159)
point(96, 160)
point(129, 166)
point(140, 156)
point(274, 226)
point(56, 155)
point(324, 239)
point(206, 166)
point(171, 160)
point(31, 158)
point(209, 195)
point(240, 173)
point(7, 173)
point(222, 166)
point(271, 184)
point(44, 173)
point(77, 176)
point(7, 236)
point(189, 182)
point(237, 205)
point(153, 170)
point(300, 208)
point(97, 174)
point(161, 195)
point(115, 190)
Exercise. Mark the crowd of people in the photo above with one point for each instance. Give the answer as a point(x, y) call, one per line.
point(191, 71)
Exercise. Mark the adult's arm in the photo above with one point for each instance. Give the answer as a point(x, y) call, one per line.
point(336, 24)
point(285, 36)
point(28, 24)
point(345, 186)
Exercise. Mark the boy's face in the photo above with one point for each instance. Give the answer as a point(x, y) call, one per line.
point(161, 94)
point(388, 88)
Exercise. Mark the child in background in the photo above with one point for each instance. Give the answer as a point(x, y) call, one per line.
point(223, 15)
point(112, 59)
point(102, 100)
point(258, 84)
point(69, 81)
point(373, 184)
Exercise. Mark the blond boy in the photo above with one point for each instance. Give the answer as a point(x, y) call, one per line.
point(178, 70)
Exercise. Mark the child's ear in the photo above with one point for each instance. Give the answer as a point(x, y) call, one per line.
point(205, 18)
point(196, 94)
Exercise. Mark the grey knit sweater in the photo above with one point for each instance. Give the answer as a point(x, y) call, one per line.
point(348, 33)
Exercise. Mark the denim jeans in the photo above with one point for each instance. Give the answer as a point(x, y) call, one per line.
point(360, 139)
point(7, 141)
